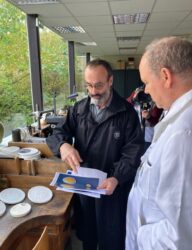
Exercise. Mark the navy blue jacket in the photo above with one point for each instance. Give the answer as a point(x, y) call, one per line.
point(113, 145)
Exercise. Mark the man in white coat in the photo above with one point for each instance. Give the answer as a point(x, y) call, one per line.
point(159, 213)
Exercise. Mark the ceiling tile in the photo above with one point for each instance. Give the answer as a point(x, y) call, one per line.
point(107, 41)
point(127, 51)
point(95, 20)
point(104, 35)
point(128, 44)
point(168, 16)
point(129, 27)
point(100, 28)
point(186, 25)
point(156, 33)
point(184, 31)
point(189, 17)
point(77, 37)
point(161, 26)
point(173, 5)
point(136, 6)
point(59, 21)
point(47, 10)
point(130, 33)
point(89, 9)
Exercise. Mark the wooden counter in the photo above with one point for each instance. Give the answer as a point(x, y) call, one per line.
point(23, 233)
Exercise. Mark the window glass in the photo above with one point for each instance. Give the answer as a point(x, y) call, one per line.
point(15, 89)
point(80, 64)
point(55, 77)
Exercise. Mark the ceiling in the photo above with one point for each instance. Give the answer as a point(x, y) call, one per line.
point(167, 17)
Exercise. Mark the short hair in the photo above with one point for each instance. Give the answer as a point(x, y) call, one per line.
point(99, 62)
point(173, 53)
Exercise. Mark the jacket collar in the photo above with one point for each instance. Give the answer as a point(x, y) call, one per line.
point(117, 105)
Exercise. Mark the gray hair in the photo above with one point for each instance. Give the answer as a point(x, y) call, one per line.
point(173, 53)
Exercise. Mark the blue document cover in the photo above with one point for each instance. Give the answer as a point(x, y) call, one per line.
point(70, 181)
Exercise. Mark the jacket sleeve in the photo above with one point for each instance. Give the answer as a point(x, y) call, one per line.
point(125, 168)
point(173, 198)
point(64, 132)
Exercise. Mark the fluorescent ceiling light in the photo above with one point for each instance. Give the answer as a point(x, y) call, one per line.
point(131, 18)
point(86, 44)
point(89, 43)
point(69, 29)
point(183, 36)
point(33, 2)
point(128, 38)
point(126, 48)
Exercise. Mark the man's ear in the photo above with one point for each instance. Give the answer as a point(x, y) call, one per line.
point(111, 80)
point(166, 77)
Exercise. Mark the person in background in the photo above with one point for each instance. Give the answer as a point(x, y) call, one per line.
point(149, 114)
point(107, 136)
point(159, 206)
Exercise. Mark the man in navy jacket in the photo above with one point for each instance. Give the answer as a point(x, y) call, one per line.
point(107, 136)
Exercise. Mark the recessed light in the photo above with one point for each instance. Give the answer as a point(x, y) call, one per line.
point(131, 18)
point(69, 29)
point(128, 38)
point(126, 48)
point(89, 43)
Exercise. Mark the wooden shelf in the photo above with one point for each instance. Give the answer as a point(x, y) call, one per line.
point(22, 233)
point(43, 147)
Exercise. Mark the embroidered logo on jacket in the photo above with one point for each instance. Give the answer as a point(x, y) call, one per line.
point(116, 135)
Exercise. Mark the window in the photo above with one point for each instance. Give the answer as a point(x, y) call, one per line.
point(15, 89)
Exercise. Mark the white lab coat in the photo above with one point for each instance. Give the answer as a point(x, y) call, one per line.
point(159, 214)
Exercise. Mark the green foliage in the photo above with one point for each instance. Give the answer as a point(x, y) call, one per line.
point(15, 85)
point(14, 82)
point(54, 64)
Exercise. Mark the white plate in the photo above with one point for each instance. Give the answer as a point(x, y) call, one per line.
point(12, 195)
point(30, 157)
point(9, 152)
point(28, 151)
point(2, 208)
point(40, 194)
point(11, 149)
point(20, 209)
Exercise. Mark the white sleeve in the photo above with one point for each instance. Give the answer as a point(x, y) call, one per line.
point(173, 198)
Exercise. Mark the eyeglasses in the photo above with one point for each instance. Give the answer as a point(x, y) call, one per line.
point(98, 85)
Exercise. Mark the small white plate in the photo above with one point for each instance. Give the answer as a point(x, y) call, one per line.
point(30, 157)
point(12, 195)
point(28, 151)
point(20, 209)
point(2, 208)
point(40, 194)
point(9, 152)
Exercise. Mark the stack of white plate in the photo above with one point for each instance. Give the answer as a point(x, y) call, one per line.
point(9, 152)
point(29, 153)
